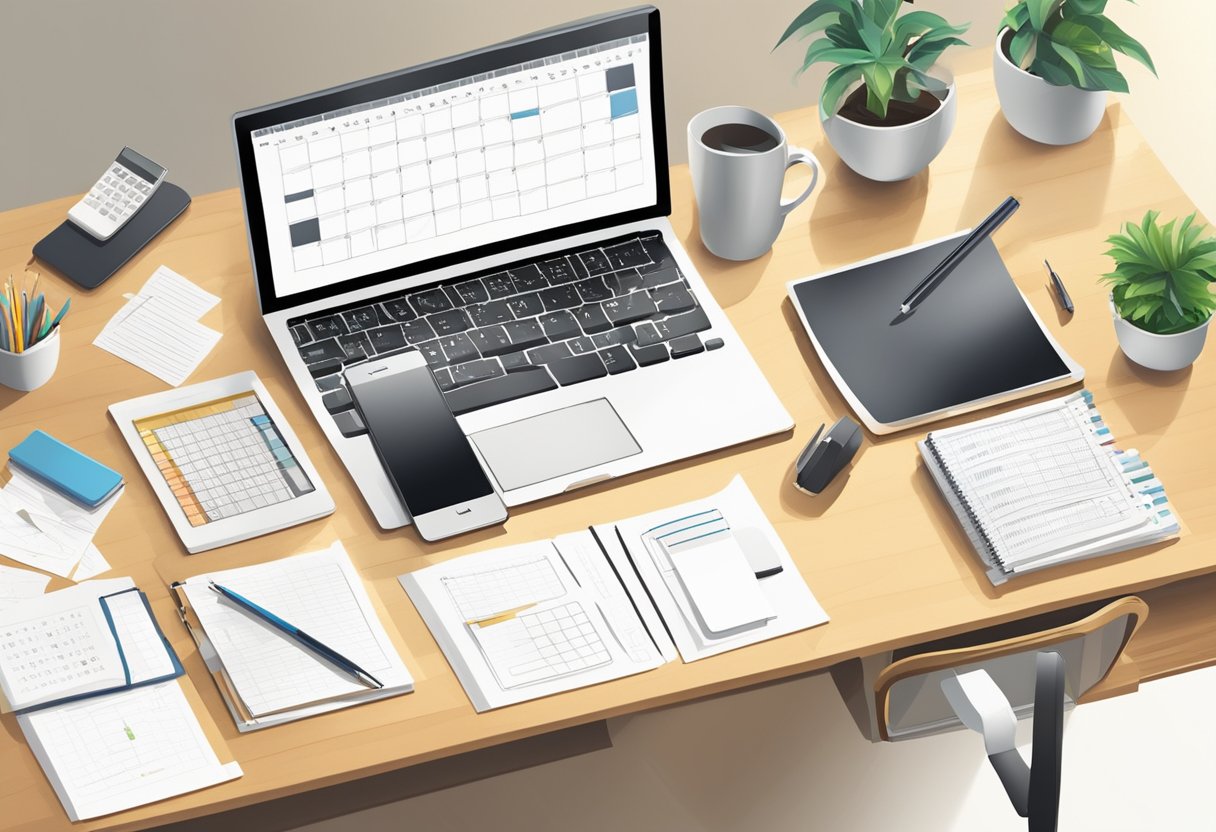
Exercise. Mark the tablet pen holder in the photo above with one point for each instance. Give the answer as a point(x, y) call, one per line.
point(32, 368)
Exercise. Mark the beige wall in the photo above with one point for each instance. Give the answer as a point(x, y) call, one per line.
point(62, 62)
point(192, 63)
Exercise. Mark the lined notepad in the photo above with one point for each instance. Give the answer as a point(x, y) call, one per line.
point(1044, 485)
point(322, 594)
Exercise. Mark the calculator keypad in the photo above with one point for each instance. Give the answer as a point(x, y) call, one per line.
point(118, 194)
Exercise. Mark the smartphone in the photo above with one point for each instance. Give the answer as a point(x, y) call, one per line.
point(424, 451)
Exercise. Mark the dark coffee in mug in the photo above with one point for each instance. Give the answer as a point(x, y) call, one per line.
point(739, 138)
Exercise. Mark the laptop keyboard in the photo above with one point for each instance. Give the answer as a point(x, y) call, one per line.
point(523, 329)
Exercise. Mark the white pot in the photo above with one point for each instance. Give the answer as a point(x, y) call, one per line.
point(888, 154)
point(1042, 111)
point(33, 368)
point(1159, 352)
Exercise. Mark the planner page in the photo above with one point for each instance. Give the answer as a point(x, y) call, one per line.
point(59, 645)
point(1040, 480)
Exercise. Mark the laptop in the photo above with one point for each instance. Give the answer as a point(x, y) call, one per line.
point(505, 213)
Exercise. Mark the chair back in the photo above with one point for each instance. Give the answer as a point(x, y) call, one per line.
point(908, 694)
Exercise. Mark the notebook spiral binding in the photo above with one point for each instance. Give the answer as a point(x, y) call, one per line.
point(966, 504)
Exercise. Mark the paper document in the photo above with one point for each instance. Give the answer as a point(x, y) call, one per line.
point(123, 749)
point(87, 638)
point(179, 295)
point(158, 329)
point(92, 564)
point(50, 531)
point(531, 620)
point(696, 561)
point(320, 593)
point(17, 585)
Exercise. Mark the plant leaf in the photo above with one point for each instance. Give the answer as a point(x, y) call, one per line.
point(834, 86)
point(1020, 48)
point(1119, 40)
point(925, 53)
point(1015, 18)
point(1072, 61)
point(825, 50)
point(880, 82)
point(1040, 11)
point(818, 15)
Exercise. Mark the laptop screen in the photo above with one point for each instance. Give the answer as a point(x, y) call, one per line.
point(550, 135)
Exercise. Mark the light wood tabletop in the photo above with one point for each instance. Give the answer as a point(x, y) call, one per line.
point(880, 548)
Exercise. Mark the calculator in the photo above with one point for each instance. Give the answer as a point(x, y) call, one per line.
point(122, 190)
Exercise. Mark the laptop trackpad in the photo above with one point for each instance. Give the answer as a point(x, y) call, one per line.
point(555, 444)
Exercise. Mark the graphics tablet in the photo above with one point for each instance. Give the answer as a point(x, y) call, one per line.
point(972, 342)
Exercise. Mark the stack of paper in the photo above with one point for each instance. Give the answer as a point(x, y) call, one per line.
point(1044, 485)
point(43, 529)
point(95, 686)
point(265, 676)
point(158, 329)
point(703, 563)
point(528, 621)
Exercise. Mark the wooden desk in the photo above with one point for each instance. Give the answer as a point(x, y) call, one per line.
point(882, 554)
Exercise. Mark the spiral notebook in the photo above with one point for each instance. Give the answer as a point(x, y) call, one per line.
point(1044, 485)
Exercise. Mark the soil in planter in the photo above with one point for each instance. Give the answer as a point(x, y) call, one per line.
point(898, 112)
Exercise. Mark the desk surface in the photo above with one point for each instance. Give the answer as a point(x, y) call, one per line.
point(883, 555)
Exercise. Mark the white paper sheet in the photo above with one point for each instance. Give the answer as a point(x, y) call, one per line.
point(59, 645)
point(24, 541)
point(794, 606)
point(69, 525)
point(181, 297)
point(149, 333)
point(17, 585)
point(563, 620)
point(92, 564)
point(125, 749)
point(322, 594)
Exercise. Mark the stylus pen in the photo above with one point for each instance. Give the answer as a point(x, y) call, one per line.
point(1061, 292)
point(299, 635)
point(978, 234)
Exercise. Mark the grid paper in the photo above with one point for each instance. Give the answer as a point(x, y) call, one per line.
point(223, 458)
point(486, 593)
point(538, 646)
point(124, 749)
point(272, 672)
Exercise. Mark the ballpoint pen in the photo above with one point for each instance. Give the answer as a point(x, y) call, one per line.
point(291, 631)
point(978, 234)
point(1061, 292)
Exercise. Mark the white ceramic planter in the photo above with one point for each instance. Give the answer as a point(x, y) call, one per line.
point(33, 368)
point(889, 154)
point(1042, 111)
point(1159, 352)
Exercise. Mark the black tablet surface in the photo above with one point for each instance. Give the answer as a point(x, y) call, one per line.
point(973, 341)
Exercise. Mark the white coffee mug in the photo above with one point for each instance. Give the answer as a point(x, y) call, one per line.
point(739, 193)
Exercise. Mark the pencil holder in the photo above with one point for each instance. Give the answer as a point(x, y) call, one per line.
point(33, 368)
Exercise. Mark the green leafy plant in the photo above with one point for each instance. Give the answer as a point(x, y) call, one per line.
point(871, 41)
point(1162, 277)
point(1071, 43)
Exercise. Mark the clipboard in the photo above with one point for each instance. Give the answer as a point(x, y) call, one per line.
point(974, 342)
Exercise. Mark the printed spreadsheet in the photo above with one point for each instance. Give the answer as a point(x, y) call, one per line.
point(223, 458)
point(537, 145)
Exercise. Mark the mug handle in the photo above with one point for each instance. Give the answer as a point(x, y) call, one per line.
point(798, 156)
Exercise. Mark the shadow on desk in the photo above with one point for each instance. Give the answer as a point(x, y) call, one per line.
point(1006, 156)
point(848, 199)
point(1152, 413)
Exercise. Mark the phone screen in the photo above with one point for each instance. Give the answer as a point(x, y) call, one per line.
point(419, 441)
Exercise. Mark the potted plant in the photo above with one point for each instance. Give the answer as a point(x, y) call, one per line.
point(1054, 64)
point(1160, 290)
point(885, 107)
